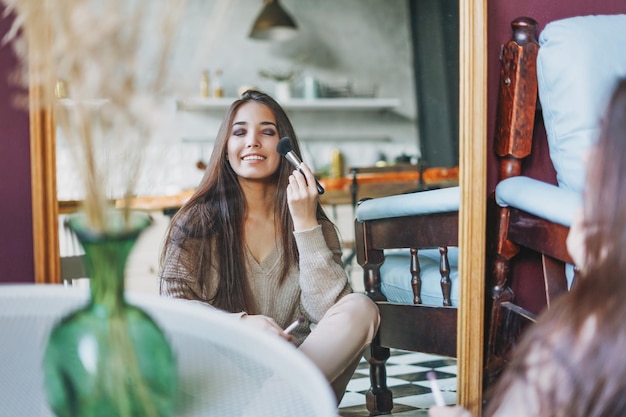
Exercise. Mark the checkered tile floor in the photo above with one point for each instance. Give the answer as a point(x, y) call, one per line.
point(406, 377)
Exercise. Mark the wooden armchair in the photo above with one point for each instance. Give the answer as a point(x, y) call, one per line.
point(407, 246)
point(573, 68)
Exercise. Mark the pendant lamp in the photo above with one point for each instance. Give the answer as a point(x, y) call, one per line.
point(273, 23)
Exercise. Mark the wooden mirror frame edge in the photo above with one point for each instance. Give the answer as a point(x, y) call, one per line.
point(45, 210)
point(472, 213)
point(473, 174)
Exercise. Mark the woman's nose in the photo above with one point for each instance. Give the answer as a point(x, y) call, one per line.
point(252, 141)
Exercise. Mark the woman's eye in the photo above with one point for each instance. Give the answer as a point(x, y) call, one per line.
point(239, 132)
point(269, 132)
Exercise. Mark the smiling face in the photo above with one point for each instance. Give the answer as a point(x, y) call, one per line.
point(251, 146)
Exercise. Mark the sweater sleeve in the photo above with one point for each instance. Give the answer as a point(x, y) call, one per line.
point(176, 282)
point(323, 279)
point(175, 279)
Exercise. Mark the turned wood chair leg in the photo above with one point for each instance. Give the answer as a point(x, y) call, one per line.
point(500, 293)
point(379, 398)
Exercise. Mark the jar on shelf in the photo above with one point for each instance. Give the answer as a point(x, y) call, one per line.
point(218, 90)
point(282, 91)
point(205, 84)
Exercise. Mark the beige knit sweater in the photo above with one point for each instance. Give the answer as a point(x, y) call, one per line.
point(310, 289)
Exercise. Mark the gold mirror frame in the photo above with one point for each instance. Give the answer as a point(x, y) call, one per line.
point(473, 210)
point(44, 190)
point(473, 174)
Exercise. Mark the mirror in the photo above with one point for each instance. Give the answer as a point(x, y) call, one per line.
point(472, 160)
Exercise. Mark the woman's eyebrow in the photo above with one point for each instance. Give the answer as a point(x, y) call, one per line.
point(242, 123)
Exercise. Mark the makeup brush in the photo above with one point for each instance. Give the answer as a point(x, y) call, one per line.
point(284, 148)
point(434, 386)
point(293, 325)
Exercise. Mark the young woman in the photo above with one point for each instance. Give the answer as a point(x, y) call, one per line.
point(254, 241)
point(570, 363)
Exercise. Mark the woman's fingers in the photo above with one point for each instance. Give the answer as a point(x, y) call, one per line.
point(303, 181)
point(302, 200)
point(309, 177)
point(267, 324)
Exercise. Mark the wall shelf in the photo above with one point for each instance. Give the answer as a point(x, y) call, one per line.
point(320, 104)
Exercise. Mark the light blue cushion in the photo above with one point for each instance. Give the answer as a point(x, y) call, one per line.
point(424, 202)
point(579, 63)
point(396, 276)
point(539, 198)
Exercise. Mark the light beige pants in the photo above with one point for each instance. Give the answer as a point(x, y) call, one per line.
point(337, 343)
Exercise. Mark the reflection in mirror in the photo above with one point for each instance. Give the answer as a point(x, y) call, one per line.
point(407, 244)
point(363, 105)
point(369, 54)
point(370, 89)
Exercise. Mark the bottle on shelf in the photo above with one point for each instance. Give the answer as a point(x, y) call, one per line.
point(218, 91)
point(336, 164)
point(60, 89)
point(204, 84)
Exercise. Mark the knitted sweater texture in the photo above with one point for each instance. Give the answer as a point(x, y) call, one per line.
point(310, 289)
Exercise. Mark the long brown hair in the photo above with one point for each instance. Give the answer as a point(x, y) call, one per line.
point(213, 218)
point(605, 191)
point(571, 362)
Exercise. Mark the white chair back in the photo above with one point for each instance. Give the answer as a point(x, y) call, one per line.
point(225, 367)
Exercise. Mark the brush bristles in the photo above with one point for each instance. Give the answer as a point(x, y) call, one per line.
point(284, 146)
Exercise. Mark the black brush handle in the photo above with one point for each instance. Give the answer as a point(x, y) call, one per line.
point(320, 189)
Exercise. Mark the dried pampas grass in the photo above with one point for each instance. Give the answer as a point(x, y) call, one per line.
point(114, 60)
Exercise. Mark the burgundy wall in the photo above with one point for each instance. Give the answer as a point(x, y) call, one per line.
point(501, 13)
point(16, 241)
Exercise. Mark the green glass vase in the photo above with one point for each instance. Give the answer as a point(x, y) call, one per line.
point(109, 358)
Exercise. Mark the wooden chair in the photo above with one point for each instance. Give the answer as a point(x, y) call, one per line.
point(573, 73)
point(517, 106)
point(415, 289)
